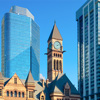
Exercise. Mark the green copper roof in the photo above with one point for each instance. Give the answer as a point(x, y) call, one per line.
point(55, 34)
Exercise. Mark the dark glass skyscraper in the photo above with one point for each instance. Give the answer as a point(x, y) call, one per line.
point(20, 44)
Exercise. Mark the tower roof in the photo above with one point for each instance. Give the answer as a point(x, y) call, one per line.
point(29, 78)
point(55, 34)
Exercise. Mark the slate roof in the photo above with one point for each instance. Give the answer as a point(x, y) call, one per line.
point(55, 34)
point(58, 85)
point(39, 88)
point(29, 78)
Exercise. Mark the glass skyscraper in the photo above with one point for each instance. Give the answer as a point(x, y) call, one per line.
point(88, 28)
point(20, 44)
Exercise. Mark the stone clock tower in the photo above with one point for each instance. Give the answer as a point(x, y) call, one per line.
point(54, 54)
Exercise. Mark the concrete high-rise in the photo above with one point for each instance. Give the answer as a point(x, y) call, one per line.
point(88, 28)
point(20, 44)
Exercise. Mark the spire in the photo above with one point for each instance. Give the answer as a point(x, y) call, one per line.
point(55, 34)
point(1, 78)
point(29, 78)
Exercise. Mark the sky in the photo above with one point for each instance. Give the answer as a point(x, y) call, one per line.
point(45, 13)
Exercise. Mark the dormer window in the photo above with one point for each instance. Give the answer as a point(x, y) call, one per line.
point(42, 96)
point(67, 90)
point(15, 80)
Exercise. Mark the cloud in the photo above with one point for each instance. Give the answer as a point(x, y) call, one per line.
point(42, 77)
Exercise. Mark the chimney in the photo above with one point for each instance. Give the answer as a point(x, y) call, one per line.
point(43, 82)
point(47, 81)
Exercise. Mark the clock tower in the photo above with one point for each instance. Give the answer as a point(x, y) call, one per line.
point(54, 54)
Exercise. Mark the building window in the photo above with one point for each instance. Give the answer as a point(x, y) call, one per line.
point(11, 94)
point(42, 97)
point(15, 80)
point(58, 55)
point(30, 94)
point(57, 64)
point(19, 94)
point(60, 65)
point(22, 94)
point(66, 92)
point(15, 93)
point(7, 93)
point(54, 64)
point(0, 92)
point(99, 90)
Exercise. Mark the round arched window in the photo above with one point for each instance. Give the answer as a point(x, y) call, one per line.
point(15, 94)
point(11, 94)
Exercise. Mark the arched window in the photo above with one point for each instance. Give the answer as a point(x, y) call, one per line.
point(58, 55)
point(22, 94)
point(60, 65)
point(19, 94)
point(15, 94)
point(11, 94)
point(54, 54)
point(7, 93)
point(57, 64)
point(54, 64)
point(42, 97)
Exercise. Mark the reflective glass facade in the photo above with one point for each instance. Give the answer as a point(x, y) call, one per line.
point(88, 28)
point(20, 46)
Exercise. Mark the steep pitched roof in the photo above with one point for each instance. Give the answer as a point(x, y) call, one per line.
point(55, 34)
point(58, 85)
point(29, 78)
point(1, 78)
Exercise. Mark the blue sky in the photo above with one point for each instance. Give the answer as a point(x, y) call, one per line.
point(45, 13)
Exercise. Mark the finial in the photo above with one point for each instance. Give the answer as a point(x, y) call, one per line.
point(54, 22)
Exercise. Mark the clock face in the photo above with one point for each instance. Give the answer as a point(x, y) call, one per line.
point(50, 46)
point(57, 45)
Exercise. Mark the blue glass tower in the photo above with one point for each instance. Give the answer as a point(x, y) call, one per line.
point(20, 44)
